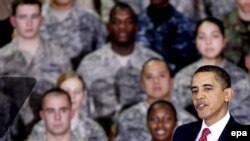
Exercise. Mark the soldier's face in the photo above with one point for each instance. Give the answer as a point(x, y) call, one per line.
point(244, 5)
point(27, 20)
point(75, 89)
point(156, 81)
point(122, 27)
point(209, 97)
point(56, 114)
point(210, 41)
point(161, 123)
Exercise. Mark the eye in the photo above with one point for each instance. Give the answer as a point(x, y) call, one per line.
point(194, 91)
point(207, 88)
point(152, 119)
point(200, 37)
point(64, 109)
point(49, 111)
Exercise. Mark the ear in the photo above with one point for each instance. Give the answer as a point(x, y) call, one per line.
point(247, 62)
point(41, 114)
point(41, 19)
point(171, 82)
point(225, 42)
point(142, 85)
point(228, 94)
point(13, 21)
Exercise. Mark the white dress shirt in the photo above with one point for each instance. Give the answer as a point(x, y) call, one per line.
point(216, 129)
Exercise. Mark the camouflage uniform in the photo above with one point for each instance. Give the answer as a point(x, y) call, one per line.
point(216, 8)
point(111, 85)
point(173, 39)
point(136, 5)
point(132, 124)
point(238, 36)
point(46, 65)
point(78, 34)
point(85, 130)
point(239, 81)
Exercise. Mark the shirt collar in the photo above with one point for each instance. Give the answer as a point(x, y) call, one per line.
point(217, 128)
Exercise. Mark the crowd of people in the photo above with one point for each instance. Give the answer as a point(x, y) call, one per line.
point(127, 70)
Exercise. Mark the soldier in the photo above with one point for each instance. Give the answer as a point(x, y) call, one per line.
point(75, 29)
point(156, 82)
point(170, 34)
point(238, 33)
point(28, 55)
point(56, 114)
point(161, 120)
point(210, 41)
point(81, 125)
point(112, 73)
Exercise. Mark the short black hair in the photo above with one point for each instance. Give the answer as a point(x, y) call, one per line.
point(121, 5)
point(55, 92)
point(16, 3)
point(220, 74)
point(155, 59)
point(162, 103)
point(213, 20)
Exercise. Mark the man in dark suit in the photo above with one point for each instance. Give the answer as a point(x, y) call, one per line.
point(211, 93)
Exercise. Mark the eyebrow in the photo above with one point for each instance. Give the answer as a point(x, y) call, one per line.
point(204, 85)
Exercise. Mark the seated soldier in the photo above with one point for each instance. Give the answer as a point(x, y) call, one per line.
point(161, 120)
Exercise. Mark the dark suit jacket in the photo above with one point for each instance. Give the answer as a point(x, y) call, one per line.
point(189, 132)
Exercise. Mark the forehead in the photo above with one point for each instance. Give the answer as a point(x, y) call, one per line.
point(155, 66)
point(161, 109)
point(207, 26)
point(27, 8)
point(204, 78)
point(56, 101)
point(121, 12)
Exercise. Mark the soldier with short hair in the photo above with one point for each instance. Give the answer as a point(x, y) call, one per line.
point(56, 113)
point(112, 73)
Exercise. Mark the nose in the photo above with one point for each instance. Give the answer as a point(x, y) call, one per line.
point(160, 123)
point(156, 80)
point(29, 22)
point(122, 25)
point(208, 40)
point(199, 95)
point(57, 115)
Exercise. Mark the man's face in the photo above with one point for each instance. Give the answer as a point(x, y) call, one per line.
point(74, 87)
point(161, 123)
point(156, 81)
point(27, 21)
point(244, 5)
point(210, 41)
point(122, 27)
point(209, 97)
point(56, 114)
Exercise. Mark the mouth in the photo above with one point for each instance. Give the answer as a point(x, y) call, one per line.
point(200, 106)
point(160, 132)
point(156, 88)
